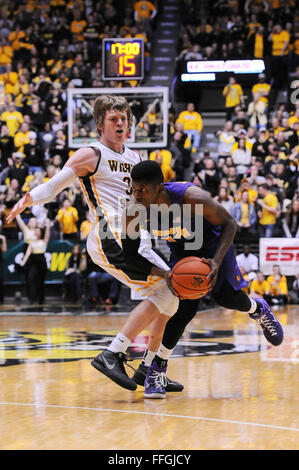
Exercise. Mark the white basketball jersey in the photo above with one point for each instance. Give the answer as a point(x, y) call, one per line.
point(109, 187)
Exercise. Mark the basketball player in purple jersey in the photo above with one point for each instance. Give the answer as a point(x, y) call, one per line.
point(226, 280)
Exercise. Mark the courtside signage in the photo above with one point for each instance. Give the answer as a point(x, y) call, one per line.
point(282, 251)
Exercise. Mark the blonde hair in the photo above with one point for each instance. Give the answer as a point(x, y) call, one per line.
point(107, 102)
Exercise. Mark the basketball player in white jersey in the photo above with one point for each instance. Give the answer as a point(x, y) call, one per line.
point(103, 170)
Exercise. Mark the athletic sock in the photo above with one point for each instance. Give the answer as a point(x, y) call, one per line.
point(119, 344)
point(164, 352)
point(255, 308)
point(148, 357)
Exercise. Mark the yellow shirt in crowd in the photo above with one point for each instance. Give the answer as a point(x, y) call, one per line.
point(260, 288)
point(144, 9)
point(278, 42)
point(244, 213)
point(282, 284)
point(165, 154)
point(258, 46)
point(85, 228)
point(233, 96)
point(6, 53)
point(262, 88)
point(21, 139)
point(267, 217)
point(13, 121)
point(191, 121)
point(68, 218)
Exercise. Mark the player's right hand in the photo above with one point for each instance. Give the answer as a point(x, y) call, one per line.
point(19, 207)
point(169, 285)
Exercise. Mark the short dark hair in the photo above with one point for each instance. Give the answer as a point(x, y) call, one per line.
point(264, 186)
point(148, 171)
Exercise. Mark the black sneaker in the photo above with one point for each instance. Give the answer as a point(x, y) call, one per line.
point(112, 365)
point(140, 374)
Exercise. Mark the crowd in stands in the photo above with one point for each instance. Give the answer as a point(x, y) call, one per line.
point(274, 287)
point(234, 29)
point(47, 47)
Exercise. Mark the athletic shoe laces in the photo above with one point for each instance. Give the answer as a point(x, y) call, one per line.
point(158, 379)
point(266, 323)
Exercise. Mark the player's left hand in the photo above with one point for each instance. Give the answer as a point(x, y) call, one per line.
point(214, 271)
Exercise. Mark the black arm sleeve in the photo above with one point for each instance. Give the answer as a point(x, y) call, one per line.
point(133, 258)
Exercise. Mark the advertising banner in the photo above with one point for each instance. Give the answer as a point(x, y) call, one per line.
point(57, 255)
point(281, 251)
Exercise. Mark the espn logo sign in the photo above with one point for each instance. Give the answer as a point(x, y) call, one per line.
point(282, 253)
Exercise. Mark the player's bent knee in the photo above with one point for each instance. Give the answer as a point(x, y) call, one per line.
point(165, 301)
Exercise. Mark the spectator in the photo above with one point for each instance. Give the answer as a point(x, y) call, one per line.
point(192, 125)
point(22, 137)
point(96, 276)
point(232, 179)
point(37, 268)
point(294, 292)
point(258, 43)
point(181, 145)
point(46, 136)
point(257, 112)
point(260, 147)
point(209, 177)
point(233, 94)
point(6, 53)
point(58, 145)
point(12, 118)
point(6, 146)
point(245, 186)
point(33, 153)
point(168, 173)
point(225, 199)
point(245, 215)
point(73, 274)
point(19, 170)
point(278, 292)
point(276, 270)
point(290, 223)
point(67, 217)
point(28, 231)
point(248, 262)
point(259, 287)
point(241, 119)
point(9, 230)
point(280, 41)
point(269, 212)
point(226, 140)
point(85, 227)
point(144, 11)
point(3, 249)
point(262, 88)
point(241, 157)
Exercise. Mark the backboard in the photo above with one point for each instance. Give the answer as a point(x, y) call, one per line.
point(149, 106)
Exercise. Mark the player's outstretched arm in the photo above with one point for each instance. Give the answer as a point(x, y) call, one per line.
point(81, 163)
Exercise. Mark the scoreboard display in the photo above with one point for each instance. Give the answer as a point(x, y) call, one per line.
point(123, 59)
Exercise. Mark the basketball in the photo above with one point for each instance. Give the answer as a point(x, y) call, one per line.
point(189, 278)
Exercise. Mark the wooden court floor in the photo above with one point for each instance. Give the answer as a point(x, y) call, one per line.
point(240, 393)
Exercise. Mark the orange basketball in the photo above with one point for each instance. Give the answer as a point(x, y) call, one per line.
point(189, 278)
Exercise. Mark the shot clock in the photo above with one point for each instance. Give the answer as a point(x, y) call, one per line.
point(123, 59)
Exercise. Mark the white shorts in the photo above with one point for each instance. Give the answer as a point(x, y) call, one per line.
point(108, 255)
